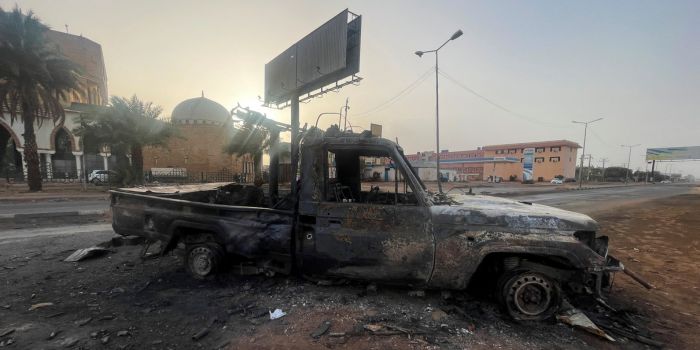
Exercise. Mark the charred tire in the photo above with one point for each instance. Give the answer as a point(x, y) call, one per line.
point(204, 260)
point(528, 296)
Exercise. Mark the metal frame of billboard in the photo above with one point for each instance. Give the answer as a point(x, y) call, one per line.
point(318, 63)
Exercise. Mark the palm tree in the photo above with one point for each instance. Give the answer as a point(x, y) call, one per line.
point(34, 79)
point(128, 125)
point(251, 138)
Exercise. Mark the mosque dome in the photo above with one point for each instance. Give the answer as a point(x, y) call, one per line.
point(200, 110)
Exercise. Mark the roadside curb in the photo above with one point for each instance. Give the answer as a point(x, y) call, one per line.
point(53, 214)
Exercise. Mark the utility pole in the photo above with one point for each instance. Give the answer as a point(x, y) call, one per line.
point(583, 152)
point(603, 160)
point(588, 174)
point(629, 160)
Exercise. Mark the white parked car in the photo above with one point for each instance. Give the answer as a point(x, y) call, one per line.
point(557, 181)
point(98, 176)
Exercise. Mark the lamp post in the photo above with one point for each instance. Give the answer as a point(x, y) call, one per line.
point(585, 132)
point(454, 36)
point(629, 159)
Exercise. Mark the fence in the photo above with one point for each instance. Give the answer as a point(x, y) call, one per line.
point(183, 176)
point(63, 172)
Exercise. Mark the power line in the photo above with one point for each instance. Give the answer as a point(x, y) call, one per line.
point(497, 105)
point(399, 95)
point(601, 139)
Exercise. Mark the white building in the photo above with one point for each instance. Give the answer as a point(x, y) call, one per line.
point(60, 150)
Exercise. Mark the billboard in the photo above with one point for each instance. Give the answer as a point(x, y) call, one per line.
point(528, 161)
point(673, 153)
point(323, 57)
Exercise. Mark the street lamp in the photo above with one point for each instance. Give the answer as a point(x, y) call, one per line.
point(585, 132)
point(454, 36)
point(629, 159)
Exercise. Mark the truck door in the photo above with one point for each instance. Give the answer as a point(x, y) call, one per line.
point(364, 229)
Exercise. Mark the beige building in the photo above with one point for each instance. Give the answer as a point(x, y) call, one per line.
point(206, 127)
point(551, 158)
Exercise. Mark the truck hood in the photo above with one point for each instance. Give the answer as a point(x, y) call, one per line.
point(482, 212)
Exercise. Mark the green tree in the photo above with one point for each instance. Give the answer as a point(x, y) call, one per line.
point(617, 173)
point(128, 125)
point(34, 79)
point(253, 139)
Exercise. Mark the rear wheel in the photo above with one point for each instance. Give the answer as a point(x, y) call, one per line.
point(204, 260)
point(529, 296)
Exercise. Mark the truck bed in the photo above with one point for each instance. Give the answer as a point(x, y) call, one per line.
point(231, 214)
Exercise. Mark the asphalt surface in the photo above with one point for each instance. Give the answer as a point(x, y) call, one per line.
point(52, 206)
point(592, 200)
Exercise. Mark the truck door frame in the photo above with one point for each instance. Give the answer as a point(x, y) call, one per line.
point(387, 242)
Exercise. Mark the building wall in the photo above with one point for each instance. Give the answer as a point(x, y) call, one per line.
point(465, 165)
point(552, 158)
point(200, 150)
point(87, 54)
point(46, 141)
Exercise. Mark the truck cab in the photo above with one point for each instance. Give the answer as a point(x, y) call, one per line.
point(396, 231)
point(352, 228)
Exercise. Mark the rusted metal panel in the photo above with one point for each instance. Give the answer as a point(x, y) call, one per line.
point(371, 242)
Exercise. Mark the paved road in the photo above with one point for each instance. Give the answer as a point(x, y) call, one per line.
point(592, 200)
point(53, 206)
point(11, 236)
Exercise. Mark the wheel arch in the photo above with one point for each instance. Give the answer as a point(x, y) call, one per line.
point(193, 232)
point(490, 264)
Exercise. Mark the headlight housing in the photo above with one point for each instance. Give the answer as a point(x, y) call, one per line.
point(597, 244)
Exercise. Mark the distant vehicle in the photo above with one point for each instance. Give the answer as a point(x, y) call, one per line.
point(97, 177)
point(666, 181)
point(557, 181)
point(570, 179)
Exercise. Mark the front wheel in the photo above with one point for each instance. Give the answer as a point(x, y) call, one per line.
point(204, 260)
point(529, 296)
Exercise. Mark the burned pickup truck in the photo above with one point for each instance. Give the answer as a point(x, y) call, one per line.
point(391, 232)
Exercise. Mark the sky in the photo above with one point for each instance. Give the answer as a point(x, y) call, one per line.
point(537, 65)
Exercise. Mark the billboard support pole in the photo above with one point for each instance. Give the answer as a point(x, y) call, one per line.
point(295, 141)
point(274, 165)
point(653, 165)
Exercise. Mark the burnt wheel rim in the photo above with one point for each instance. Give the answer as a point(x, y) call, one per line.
point(201, 261)
point(530, 295)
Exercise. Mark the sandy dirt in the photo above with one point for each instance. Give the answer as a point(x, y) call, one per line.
point(120, 301)
point(660, 240)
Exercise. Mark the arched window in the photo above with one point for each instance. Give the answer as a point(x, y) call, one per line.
point(63, 144)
